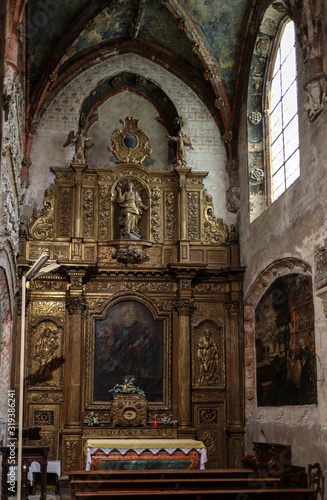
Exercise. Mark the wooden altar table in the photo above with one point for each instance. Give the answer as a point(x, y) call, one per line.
point(99, 451)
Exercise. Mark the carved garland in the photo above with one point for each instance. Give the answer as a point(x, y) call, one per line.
point(170, 216)
point(192, 216)
point(88, 212)
point(104, 212)
point(155, 213)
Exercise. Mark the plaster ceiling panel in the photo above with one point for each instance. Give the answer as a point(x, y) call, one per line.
point(223, 24)
point(159, 26)
point(109, 24)
point(48, 23)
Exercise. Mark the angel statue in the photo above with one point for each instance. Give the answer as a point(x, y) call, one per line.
point(79, 140)
point(182, 141)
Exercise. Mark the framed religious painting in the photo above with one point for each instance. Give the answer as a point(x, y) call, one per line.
point(128, 340)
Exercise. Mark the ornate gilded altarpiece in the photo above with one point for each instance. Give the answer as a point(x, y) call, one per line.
point(149, 286)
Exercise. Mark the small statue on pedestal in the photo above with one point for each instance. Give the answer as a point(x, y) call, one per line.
point(131, 206)
point(79, 140)
point(182, 140)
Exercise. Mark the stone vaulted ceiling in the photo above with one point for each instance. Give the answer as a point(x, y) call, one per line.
point(198, 40)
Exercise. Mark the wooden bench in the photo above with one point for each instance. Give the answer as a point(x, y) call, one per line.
point(231, 484)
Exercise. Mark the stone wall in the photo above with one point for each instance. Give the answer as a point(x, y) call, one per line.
point(293, 228)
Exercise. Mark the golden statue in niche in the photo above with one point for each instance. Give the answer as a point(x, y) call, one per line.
point(131, 206)
point(182, 140)
point(208, 356)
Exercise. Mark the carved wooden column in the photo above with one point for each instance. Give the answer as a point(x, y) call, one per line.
point(184, 249)
point(78, 170)
point(234, 372)
point(71, 457)
point(184, 308)
point(76, 306)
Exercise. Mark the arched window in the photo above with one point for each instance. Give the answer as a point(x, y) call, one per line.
point(284, 153)
point(273, 130)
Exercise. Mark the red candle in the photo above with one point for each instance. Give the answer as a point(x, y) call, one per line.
point(155, 422)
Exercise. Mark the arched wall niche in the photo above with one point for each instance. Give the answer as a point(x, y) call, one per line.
point(128, 336)
point(143, 190)
point(275, 270)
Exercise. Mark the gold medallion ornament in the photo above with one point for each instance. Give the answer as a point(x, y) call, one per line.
point(130, 145)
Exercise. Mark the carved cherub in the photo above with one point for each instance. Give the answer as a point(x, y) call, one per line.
point(79, 139)
point(182, 140)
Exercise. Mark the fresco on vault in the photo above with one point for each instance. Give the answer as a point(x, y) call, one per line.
point(128, 342)
point(285, 346)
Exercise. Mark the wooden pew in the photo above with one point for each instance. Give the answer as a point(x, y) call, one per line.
point(229, 484)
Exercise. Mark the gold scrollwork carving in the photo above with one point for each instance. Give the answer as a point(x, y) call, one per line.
point(208, 416)
point(104, 212)
point(64, 217)
point(54, 309)
point(75, 304)
point(164, 305)
point(170, 216)
point(36, 251)
point(88, 201)
point(209, 287)
point(210, 441)
point(94, 303)
point(192, 215)
point(130, 145)
point(184, 307)
point(60, 253)
point(215, 230)
point(155, 213)
point(43, 418)
point(40, 225)
point(44, 397)
point(71, 455)
point(143, 286)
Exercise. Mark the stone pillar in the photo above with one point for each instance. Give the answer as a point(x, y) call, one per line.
point(234, 372)
point(76, 305)
point(184, 308)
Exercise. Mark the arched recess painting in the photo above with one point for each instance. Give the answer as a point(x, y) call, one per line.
point(285, 343)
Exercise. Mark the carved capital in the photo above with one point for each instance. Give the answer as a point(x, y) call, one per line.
point(232, 308)
point(75, 304)
point(184, 307)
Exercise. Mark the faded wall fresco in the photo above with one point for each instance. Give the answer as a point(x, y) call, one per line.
point(285, 345)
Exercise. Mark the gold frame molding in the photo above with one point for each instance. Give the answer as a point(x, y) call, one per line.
point(89, 342)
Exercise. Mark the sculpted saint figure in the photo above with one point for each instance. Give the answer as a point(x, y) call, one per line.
point(79, 139)
point(208, 356)
point(182, 140)
point(131, 206)
point(46, 347)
